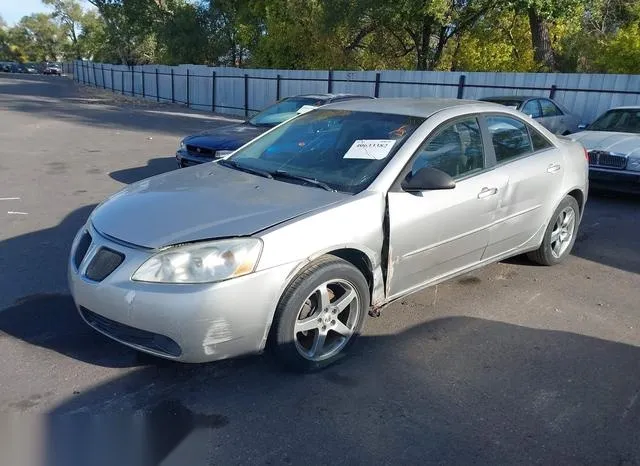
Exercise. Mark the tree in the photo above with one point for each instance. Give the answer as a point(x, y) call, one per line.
point(131, 27)
point(70, 15)
point(38, 37)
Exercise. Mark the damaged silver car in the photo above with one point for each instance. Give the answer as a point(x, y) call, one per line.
point(288, 243)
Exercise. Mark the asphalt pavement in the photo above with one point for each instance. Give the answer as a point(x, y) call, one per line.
point(512, 364)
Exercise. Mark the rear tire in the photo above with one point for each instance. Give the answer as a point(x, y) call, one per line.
point(319, 315)
point(560, 235)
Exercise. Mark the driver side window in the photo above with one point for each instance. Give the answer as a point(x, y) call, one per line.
point(455, 149)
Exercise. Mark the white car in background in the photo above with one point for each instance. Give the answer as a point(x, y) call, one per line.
point(613, 144)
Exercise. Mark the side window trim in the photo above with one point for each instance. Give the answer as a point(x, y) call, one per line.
point(488, 164)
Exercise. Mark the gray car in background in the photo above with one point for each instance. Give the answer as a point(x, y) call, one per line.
point(547, 112)
point(290, 241)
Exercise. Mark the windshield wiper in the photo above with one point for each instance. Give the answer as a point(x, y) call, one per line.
point(244, 168)
point(312, 181)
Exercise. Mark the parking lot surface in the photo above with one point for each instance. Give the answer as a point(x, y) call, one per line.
point(512, 364)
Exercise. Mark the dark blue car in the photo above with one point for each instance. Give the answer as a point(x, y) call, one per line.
point(218, 142)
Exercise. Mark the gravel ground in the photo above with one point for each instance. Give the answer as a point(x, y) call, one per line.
point(513, 364)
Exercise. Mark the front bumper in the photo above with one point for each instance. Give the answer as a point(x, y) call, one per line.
point(189, 323)
point(614, 180)
point(186, 159)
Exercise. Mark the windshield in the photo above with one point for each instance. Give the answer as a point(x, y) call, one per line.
point(344, 150)
point(621, 120)
point(283, 110)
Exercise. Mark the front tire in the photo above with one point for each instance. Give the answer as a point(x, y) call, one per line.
point(560, 235)
point(319, 315)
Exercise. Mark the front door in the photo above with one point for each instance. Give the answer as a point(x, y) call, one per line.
point(435, 233)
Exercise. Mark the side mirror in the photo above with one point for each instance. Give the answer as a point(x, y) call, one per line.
point(582, 126)
point(427, 179)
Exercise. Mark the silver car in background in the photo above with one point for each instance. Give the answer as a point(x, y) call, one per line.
point(613, 144)
point(547, 112)
point(290, 241)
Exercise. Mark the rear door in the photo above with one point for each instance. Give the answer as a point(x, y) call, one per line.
point(435, 233)
point(534, 169)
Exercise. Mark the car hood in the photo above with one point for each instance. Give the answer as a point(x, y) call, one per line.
point(204, 202)
point(228, 137)
point(623, 143)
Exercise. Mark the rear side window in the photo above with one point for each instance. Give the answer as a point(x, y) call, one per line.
point(549, 109)
point(538, 140)
point(510, 138)
point(532, 108)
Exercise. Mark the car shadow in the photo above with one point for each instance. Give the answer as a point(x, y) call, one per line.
point(46, 319)
point(155, 166)
point(609, 231)
point(456, 390)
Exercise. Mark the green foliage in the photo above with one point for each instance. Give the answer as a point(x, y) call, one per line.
point(471, 35)
point(621, 53)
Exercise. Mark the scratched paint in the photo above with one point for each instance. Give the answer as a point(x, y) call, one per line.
point(219, 331)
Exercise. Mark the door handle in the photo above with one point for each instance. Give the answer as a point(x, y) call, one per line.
point(486, 192)
point(553, 168)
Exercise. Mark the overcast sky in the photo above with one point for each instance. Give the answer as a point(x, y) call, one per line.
point(13, 10)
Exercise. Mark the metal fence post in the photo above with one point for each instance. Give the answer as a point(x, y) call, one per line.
point(133, 83)
point(83, 81)
point(278, 87)
point(104, 84)
point(173, 95)
point(157, 87)
point(95, 78)
point(246, 95)
point(76, 72)
point(122, 81)
point(188, 87)
point(552, 93)
point(330, 82)
point(461, 81)
point(376, 89)
point(144, 96)
point(213, 92)
point(113, 89)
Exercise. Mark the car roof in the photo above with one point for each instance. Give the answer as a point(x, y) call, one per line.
point(517, 98)
point(420, 107)
point(626, 107)
point(332, 96)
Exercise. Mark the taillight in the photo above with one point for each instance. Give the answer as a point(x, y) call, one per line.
point(586, 154)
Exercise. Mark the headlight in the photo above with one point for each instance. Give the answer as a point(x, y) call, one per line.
point(633, 164)
point(181, 146)
point(202, 262)
point(223, 153)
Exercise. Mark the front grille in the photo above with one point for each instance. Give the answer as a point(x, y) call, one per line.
point(81, 249)
point(103, 263)
point(606, 159)
point(134, 336)
point(200, 151)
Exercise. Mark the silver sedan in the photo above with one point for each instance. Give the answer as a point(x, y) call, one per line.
point(290, 241)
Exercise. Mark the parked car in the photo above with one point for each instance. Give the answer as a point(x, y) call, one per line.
point(547, 112)
point(613, 143)
point(218, 142)
point(289, 249)
point(52, 69)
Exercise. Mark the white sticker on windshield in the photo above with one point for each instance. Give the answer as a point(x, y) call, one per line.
point(371, 149)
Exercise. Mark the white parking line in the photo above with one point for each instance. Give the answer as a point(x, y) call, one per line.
point(11, 212)
point(9, 198)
